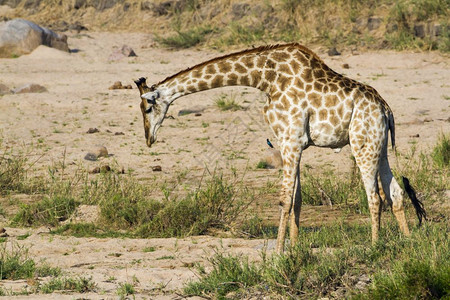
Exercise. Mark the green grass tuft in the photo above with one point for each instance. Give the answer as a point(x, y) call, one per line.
point(225, 102)
point(441, 152)
point(79, 285)
point(185, 39)
point(15, 263)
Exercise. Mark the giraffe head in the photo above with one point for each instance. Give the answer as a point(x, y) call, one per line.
point(154, 108)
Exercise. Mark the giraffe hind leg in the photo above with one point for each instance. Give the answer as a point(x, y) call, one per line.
point(393, 192)
point(367, 161)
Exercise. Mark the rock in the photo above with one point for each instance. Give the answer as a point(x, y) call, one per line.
point(19, 36)
point(119, 133)
point(272, 157)
point(374, 23)
point(198, 114)
point(3, 232)
point(118, 54)
point(415, 135)
point(96, 152)
point(346, 66)
point(419, 30)
point(118, 86)
point(156, 168)
point(101, 169)
point(29, 88)
point(333, 52)
point(4, 89)
point(192, 110)
point(92, 130)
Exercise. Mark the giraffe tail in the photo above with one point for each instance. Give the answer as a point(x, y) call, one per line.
point(391, 127)
point(418, 205)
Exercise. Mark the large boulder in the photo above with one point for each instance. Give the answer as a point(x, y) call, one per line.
point(20, 36)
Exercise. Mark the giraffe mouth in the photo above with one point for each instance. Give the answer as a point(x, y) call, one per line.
point(151, 140)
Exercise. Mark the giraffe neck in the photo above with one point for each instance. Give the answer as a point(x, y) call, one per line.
point(246, 69)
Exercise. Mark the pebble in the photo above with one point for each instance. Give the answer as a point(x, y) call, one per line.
point(4, 89)
point(118, 86)
point(101, 169)
point(156, 168)
point(29, 88)
point(346, 66)
point(96, 152)
point(92, 130)
point(333, 52)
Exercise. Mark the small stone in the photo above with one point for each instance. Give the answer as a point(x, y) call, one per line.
point(4, 89)
point(118, 54)
point(116, 86)
point(373, 23)
point(428, 120)
point(346, 66)
point(2, 230)
point(156, 168)
point(95, 153)
point(273, 159)
point(29, 88)
point(101, 169)
point(415, 135)
point(333, 52)
point(198, 114)
point(92, 130)
point(119, 133)
point(193, 110)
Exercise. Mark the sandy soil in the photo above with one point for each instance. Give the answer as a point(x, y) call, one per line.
point(54, 123)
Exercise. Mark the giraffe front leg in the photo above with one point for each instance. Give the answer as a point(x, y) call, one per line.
point(290, 167)
point(295, 211)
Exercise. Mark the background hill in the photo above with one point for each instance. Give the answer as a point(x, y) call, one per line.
point(375, 24)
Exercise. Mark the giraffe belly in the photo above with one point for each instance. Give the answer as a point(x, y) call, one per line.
point(323, 135)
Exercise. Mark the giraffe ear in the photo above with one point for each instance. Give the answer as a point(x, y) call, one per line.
point(142, 85)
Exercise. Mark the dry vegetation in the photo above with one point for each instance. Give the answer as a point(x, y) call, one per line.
point(406, 24)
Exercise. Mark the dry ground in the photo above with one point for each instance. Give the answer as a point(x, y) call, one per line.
point(54, 123)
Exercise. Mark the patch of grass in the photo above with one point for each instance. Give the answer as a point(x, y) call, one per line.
point(214, 205)
point(49, 211)
point(399, 267)
point(149, 249)
point(14, 167)
point(229, 273)
point(80, 285)
point(89, 230)
point(237, 34)
point(125, 289)
point(262, 165)
point(227, 102)
point(441, 152)
point(330, 189)
point(415, 277)
point(185, 38)
point(15, 263)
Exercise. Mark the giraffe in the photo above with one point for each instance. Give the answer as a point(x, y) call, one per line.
point(308, 104)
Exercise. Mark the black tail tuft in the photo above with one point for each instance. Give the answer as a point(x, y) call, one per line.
point(420, 211)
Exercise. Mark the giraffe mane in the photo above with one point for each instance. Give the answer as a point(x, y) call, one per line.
point(247, 51)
